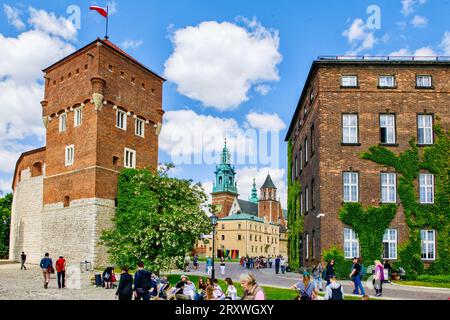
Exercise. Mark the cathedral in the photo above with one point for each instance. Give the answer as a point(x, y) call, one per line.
point(253, 227)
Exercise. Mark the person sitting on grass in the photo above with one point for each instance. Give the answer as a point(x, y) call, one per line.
point(210, 293)
point(334, 291)
point(252, 291)
point(218, 292)
point(306, 288)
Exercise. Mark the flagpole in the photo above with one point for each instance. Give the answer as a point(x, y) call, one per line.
point(107, 20)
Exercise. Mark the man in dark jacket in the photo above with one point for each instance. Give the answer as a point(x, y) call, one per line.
point(143, 283)
point(125, 289)
point(47, 268)
point(23, 258)
point(277, 264)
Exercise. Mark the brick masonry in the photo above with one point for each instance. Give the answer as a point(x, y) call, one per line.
point(330, 158)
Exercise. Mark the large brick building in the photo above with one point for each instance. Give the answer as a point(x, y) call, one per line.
point(348, 105)
point(102, 112)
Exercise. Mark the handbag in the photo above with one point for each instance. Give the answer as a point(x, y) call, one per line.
point(51, 270)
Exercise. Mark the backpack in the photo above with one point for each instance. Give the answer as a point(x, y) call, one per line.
point(304, 295)
point(363, 272)
point(336, 294)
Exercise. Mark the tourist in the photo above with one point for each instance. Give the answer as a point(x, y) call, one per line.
point(188, 289)
point(270, 262)
point(218, 292)
point(47, 268)
point(317, 276)
point(389, 269)
point(355, 276)
point(329, 271)
point(61, 272)
point(125, 288)
point(252, 291)
point(210, 293)
point(231, 289)
point(187, 261)
point(283, 265)
point(378, 278)
point(201, 289)
point(334, 291)
point(222, 266)
point(107, 277)
point(208, 282)
point(209, 266)
point(277, 264)
point(23, 259)
point(195, 260)
point(306, 289)
point(143, 283)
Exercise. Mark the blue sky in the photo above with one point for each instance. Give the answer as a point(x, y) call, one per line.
point(242, 65)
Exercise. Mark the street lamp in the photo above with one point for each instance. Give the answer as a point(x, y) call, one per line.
point(214, 220)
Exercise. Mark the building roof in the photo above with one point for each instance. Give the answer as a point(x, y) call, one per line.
point(242, 216)
point(24, 154)
point(110, 45)
point(248, 207)
point(361, 61)
point(285, 214)
point(269, 183)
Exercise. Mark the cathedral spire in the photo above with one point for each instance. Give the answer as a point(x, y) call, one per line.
point(225, 174)
point(254, 194)
point(225, 154)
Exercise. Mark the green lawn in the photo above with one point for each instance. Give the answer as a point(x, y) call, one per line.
point(271, 292)
point(423, 284)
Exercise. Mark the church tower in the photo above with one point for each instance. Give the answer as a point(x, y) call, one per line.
point(254, 195)
point(225, 187)
point(268, 205)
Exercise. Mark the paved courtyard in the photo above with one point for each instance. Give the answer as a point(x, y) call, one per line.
point(16, 284)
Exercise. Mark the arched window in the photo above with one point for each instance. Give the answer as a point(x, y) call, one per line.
point(36, 170)
point(220, 180)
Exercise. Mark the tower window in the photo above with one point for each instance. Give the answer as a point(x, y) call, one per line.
point(66, 201)
point(121, 120)
point(115, 161)
point(130, 158)
point(133, 80)
point(70, 75)
point(122, 74)
point(70, 155)
point(62, 122)
point(78, 71)
point(220, 180)
point(110, 68)
point(78, 119)
point(139, 130)
point(85, 67)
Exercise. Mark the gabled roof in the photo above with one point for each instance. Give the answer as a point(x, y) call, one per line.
point(269, 183)
point(242, 216)
point(248, 207)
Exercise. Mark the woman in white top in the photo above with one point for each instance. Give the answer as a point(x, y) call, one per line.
point(231, 290)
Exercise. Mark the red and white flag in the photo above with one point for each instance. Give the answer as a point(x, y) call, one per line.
point(100, 10)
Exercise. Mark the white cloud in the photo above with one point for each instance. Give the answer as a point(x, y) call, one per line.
point(445, 43)
point(262, 89)
point(265, 121)
point(419, 21)
point(5, 187)
point(14, 17)
point(425, 52)
point(218, 63)
point(51, 24)
point(112, 7)
point(131, 44)
point(359, 36)
point(410, 6)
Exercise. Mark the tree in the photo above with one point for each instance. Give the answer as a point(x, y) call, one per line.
point(158, 219)
point(5, 222)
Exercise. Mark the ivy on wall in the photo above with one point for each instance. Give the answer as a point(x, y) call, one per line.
point(408, 165)
point(295, 220)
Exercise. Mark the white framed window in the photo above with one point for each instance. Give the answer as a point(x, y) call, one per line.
point(300, 154)
point(121, 119)
point(386, 81)
point(428, 240)
point(78, 117)
point(351, 186)
point(130, 158)
point(387, 128)
point(301, 203)
point(306, 200)
point(349, 81)
point(351, 244)
point(426, 188)
point(350, 128)
point(139, 126)
point(306, 151)
point(296, 167)
point(307, 246)
point(390, 244)
point(388, 188)
point(69, 155)
point(62, 122)
point(425, 129)
point(424, 81)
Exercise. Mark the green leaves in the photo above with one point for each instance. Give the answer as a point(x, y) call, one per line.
point(5, 221)
point(158, 219)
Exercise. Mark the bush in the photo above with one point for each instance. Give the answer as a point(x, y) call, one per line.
point(342, 266)
point(434, 279)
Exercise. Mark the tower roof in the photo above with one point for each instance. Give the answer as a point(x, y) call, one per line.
point(268, 184)
point(254, 194)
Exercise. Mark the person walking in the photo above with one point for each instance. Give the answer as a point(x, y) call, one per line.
point(270, 262)
point(355, 276)
point(317, 276)
point(142, 283)
point(378, 278)
point(23, 259)
point(306, 288)
point(329, 271)
point(334, 291)
point(277, 264)
point(125, 288)
point(222, 266)
point(195, 262)
point(209, 266)
point(187, 262)
point(61, 272)
point(252, 291)
point(231, 289)
point(46, 265)
point(283, 265)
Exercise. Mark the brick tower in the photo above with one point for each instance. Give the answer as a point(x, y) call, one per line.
point(102, 112)
point(268, 205)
